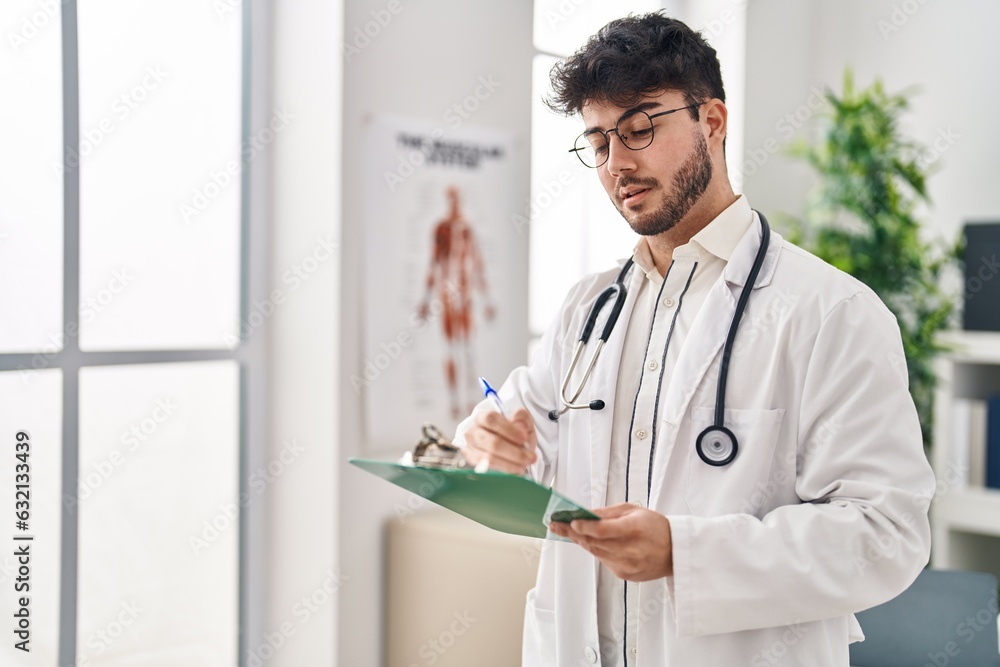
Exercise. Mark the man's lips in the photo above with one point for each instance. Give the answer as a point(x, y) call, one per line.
point(632, 195)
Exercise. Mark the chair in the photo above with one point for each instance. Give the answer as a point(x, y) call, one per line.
point(945, 618)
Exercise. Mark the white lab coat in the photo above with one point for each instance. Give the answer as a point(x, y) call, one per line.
point(822, 513)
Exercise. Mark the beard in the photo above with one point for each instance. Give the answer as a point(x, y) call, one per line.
point(690, 182)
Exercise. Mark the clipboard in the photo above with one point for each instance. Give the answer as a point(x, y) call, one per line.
point(497, 500)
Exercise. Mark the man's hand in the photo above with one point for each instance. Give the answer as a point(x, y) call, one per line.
point(633, 542)
point(509, 445)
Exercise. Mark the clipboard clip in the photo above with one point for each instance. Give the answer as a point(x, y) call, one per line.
point(434, 451)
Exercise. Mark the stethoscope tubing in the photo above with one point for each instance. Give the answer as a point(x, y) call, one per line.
point(741, 304)
point(618, 291)
point(723, 449)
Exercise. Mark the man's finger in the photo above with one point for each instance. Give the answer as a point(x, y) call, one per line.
point(502, 454)
point(615, 511)
point(522, 418)
point(493, 445)
point(608, 528)
point(495, 423)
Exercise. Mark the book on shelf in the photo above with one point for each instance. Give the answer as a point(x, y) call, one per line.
point(977, 443)
point(967, 454)
point(992, 457)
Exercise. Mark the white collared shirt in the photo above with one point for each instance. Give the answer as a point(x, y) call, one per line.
point(665, 309)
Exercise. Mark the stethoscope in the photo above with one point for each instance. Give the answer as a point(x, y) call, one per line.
point(716, 445)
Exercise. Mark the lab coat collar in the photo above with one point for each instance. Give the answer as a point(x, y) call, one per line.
point(720, 237)
point(643, 259)
point(743, 255)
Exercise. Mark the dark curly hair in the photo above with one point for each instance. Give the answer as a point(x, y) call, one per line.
point(636, 56)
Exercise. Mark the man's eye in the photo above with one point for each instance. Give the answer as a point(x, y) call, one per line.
point(601, 150)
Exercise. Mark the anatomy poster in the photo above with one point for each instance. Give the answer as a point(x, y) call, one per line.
point(440, 241)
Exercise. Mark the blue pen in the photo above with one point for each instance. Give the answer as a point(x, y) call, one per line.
point(490, 392)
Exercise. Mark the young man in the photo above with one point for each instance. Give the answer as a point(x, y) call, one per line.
point(752, 544)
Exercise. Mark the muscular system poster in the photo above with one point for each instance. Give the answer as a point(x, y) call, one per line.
point(439, 243)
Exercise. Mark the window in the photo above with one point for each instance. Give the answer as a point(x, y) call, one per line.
point(127, 354)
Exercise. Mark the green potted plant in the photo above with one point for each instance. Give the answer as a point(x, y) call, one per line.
point(862, 218)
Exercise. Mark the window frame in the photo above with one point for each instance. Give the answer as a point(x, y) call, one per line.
point(249, 353)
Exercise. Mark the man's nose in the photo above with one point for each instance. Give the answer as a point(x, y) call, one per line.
point(620, 158)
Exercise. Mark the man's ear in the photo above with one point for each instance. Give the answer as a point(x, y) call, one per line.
point(716, 120)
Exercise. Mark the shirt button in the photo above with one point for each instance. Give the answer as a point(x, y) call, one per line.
point(653, 365)
point(668, 302)
point(591, 655)
point(641, 434)
point(635, 651)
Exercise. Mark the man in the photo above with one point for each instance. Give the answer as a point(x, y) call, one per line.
point(756, 559)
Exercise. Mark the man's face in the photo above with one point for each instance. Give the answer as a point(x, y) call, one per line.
point(654, 188)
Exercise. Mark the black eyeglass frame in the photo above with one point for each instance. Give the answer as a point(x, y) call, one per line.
point(624, 140)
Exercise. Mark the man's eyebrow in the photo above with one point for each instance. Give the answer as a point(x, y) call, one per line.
point(645, 106)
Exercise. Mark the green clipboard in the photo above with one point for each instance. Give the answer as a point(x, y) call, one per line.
point(498, 500)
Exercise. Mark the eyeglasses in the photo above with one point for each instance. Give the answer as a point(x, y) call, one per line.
point(635, 129)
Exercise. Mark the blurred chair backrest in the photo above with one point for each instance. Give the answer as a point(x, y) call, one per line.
point(944, 619)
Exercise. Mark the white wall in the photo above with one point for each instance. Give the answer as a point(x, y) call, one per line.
point(947, 49)
point(425, 58)
point(304, 163)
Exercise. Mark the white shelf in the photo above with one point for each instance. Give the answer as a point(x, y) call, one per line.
point(974, 510)
point(971, 347)
point(965, 520)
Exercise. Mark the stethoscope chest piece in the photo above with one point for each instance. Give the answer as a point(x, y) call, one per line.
point(717, 446)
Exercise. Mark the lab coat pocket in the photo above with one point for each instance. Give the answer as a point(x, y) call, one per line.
point(539, 648)
point(716, 490)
